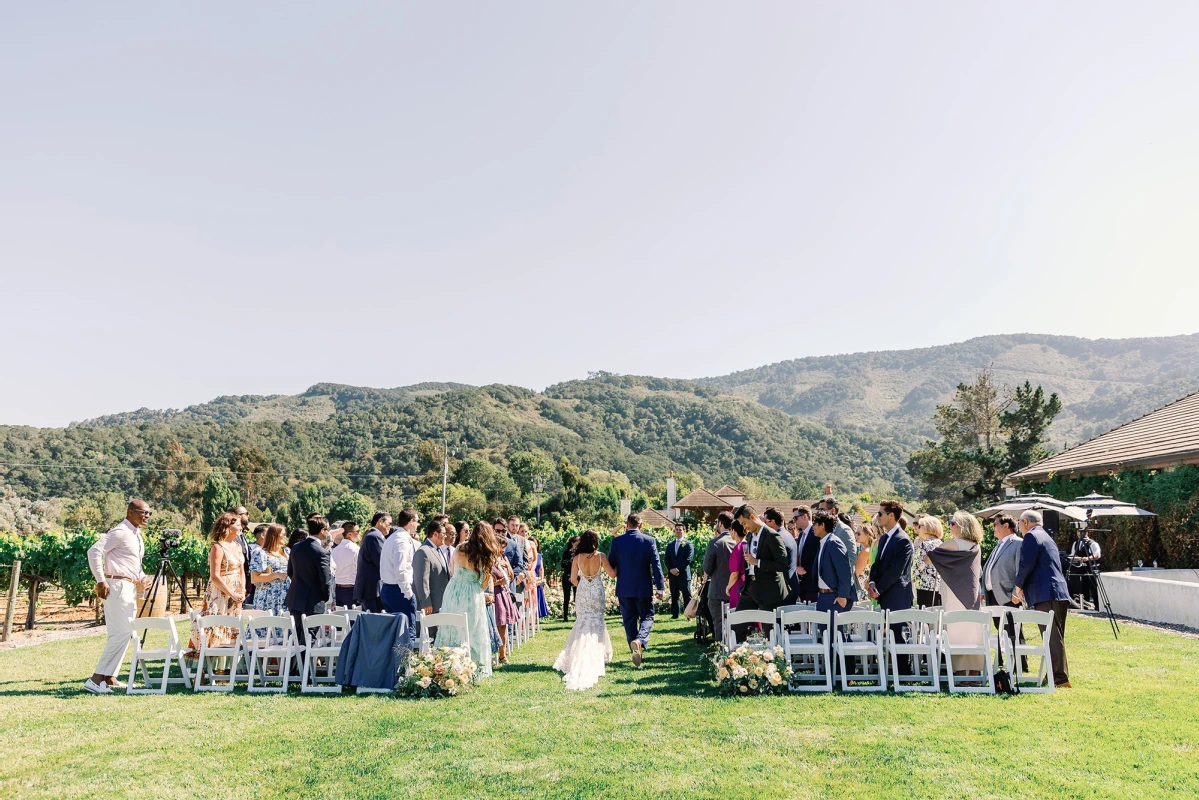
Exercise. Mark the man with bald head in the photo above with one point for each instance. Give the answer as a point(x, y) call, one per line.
point(116, 563)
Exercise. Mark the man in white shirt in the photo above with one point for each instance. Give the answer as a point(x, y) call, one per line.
point(395, 573)
point(116, 563)
point(1085, 553)
point(345, 565)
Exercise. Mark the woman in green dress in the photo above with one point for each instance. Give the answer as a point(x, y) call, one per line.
point(473, 561)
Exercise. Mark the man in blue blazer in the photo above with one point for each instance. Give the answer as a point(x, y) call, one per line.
point(1041, 586)
point(891, 573)
point(308, 568)
point(634, 556)
point(366, 580)
point(834, 575)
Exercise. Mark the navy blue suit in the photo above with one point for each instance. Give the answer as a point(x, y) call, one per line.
point(634, 556)
point(832, 566)
point(1040, 578)
point(807, 560)
point(308, 568)
point(891, 574)
point(514, 551)
point(678, 556)
point(792, 575)
point(366, 580)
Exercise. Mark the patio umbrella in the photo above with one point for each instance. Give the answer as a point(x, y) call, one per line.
point(1101, 505)
point(1035, 502)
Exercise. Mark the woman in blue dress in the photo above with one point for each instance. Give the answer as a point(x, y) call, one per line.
point(543, 610)
point(268, 571)
point(473, 561)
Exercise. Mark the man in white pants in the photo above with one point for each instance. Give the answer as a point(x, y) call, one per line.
point(116, 563)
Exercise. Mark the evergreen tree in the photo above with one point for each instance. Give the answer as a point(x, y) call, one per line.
point(216, 499)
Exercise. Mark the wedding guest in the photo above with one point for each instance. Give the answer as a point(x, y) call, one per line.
point(928, 537)
point(957, 563)
point(268, 570)
point(568, 554)
point(807, 546)
point(115, 561)
point(1041, 585)
point(844, 530)
point(514, 550)
point(505, 608)
point(890, 576)
point(395, 571)
point(543, 610)
point(679, 554)
point(430, 572)
point(308, 568)
point(295, 537)
point(717, 558)
point(366, 578)
point(865, 540)
point(774, 518)
point(465, 595)
point(226, 591)
point(737, 564)
point(243, 516)
point(767, 563)
point(834, 575)
point(345, 565)
point(999, 574)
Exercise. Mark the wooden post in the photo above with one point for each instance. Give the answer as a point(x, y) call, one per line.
point(11, 607)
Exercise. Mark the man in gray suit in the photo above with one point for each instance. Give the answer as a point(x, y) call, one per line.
point(998, 576)
point(716, 571)
point(430, 572)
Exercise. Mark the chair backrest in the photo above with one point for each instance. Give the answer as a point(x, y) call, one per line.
point(153, 624)
point(1020, 616)
point(338, 626)
point(916, 615)
point(860, 618)
point(218, 620)
point(803, 616)
point(751, 615)
point(997, 612)
point(956, 617)
point(261, 631)
point(797, 607)
point(437, 620)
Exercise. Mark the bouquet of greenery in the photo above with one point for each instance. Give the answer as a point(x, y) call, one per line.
point(751, 669)
point(444, 672)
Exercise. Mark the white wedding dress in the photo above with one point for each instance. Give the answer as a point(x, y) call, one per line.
point(588, 649)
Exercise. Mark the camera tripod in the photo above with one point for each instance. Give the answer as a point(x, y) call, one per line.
point(163, 576)
point(1104, 605)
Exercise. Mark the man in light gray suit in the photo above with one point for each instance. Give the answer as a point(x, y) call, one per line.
point(430, 572)
point(998, 576)
point(716, 571)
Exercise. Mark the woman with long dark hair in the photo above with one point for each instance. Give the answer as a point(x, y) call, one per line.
point(474, 561)
point(588, 648)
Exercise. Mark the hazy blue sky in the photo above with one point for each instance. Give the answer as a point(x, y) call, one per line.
point(251, 198)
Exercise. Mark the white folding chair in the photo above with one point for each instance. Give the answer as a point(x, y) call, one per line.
point(1044, 678)
point(921, 646)
point(351, 614)
point(241, 671)
point(518, 627)
point(766, 619)
point(427, 621)
point(860, 634)
point(324, 634)
point(172, 651)
point(979, 645)
point(270, 638)
point(806, 648)
point(231, 651)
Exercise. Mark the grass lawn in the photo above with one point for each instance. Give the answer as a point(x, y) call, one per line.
point(1129, 728)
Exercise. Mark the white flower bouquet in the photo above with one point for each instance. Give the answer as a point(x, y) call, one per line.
point(747, 670)
point(444, 672)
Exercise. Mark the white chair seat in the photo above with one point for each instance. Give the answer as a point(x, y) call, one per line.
point(868, 647)
point(960, 683)
point(207, 652)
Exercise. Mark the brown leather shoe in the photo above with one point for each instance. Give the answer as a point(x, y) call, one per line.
point(1063, 685)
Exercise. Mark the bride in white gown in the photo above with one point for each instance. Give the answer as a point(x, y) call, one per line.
point(588, 648)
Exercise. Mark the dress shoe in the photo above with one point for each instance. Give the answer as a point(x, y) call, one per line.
point(635, 645)
point(1063, 685)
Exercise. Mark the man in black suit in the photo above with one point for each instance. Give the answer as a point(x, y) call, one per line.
point(366, 581)
point(774, 519)
point(766, 583)
point(244, 515)
point(891, 573)
point(808, 545)
point(308, 568)
point(678, 565)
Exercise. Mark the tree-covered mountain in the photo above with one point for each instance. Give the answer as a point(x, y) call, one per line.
point(1102, 382)
point(379, 442)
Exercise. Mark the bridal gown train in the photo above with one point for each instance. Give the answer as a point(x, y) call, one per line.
point(588, 649)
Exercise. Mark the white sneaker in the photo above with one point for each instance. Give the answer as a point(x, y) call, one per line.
point(97, 688)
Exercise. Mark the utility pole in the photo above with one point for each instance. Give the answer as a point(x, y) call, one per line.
point(445, 472)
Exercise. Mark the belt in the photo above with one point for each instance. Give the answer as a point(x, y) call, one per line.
point(121, 578)
point(828, 591)
point(345, 586)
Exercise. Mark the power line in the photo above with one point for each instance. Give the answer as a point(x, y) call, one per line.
point(85, 467)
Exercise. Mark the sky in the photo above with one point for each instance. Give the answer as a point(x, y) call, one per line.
point(230, 198)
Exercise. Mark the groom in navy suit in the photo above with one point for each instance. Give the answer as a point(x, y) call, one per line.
point(634, 556)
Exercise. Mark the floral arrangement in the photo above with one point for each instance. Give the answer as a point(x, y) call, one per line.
point(443, 672)
point(749, 669)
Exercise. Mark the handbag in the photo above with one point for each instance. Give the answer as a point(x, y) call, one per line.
point(692, 608)
point(1004, 683)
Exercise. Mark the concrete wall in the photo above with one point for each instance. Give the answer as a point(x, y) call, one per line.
point(1169, 595)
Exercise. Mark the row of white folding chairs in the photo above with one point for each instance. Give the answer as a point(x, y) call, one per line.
point(812, 638)
point(527, 623)
point(260, 637)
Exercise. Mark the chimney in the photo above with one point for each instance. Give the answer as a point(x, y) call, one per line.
point(670, 496)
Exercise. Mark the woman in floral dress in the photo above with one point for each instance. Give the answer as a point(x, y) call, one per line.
point(226, 588)
point(268, 570)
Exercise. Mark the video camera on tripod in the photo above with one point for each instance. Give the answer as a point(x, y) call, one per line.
point(168, 540)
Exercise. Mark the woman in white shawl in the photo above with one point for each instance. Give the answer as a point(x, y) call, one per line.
point(958, 562)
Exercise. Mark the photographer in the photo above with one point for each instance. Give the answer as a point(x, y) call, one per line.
point(1084, 564)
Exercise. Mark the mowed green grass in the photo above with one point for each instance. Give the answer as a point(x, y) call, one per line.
point(1129, 728)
